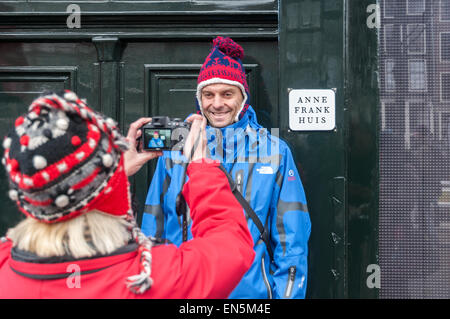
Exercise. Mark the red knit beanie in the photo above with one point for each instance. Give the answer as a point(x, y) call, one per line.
point(64, 159)
point(224, 65)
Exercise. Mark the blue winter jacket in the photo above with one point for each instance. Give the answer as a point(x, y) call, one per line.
point(265, 173)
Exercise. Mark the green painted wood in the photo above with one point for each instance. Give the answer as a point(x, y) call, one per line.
point(28, 69)
point(312, 56)
point(363, 104)
point(27, 6)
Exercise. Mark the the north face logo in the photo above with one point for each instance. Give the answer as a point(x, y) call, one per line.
point(291, 176)
point(265, 170)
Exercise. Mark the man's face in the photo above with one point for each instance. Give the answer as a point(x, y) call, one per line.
point(220, 103)
point(155, 134)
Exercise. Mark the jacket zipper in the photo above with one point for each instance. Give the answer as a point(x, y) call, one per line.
point(239, 182)
point(266, 281)
point(291, 279)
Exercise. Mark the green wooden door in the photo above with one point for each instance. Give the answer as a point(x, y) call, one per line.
point(141, 58)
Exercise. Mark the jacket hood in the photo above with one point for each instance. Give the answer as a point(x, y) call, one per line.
point(249, 118)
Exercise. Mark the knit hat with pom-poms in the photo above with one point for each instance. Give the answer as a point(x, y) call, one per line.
point(224, 65)
point(64, 159)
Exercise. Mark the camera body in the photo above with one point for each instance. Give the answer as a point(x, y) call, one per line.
point(164, 133)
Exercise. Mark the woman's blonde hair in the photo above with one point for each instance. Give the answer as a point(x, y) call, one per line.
point(85, 236)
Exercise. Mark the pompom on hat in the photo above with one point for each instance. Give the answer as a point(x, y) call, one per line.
point(224, 65)
point(63, 159)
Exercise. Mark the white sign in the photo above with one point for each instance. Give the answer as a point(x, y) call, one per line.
point(312, 110)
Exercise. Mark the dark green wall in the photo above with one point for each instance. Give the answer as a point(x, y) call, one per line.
point(363, 104)
point(312, 57)
point(327, 44)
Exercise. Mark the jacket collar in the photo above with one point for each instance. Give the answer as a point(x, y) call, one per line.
point(36, 267)
point(230, 142)
point(249, 118)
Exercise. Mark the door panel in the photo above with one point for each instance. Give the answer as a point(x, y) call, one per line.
point(160, 78)
point(29, 69)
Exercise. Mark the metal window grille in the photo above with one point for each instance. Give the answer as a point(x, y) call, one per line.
point(414, 203)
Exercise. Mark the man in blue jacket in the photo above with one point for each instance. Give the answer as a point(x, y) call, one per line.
point(155, 141)
point(263, 170)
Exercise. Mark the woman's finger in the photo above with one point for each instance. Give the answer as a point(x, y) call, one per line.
point(194, 117)
point(134, 128)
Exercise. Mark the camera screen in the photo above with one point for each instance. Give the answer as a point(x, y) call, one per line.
point(156, 138)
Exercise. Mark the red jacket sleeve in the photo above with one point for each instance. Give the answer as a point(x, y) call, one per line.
point(221, 252)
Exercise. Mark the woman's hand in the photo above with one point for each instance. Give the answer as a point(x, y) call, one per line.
point(134, 160)
point(197, 134)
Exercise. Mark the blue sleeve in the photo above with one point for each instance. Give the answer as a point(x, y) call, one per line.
point(290, 230)
point(153, 217)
